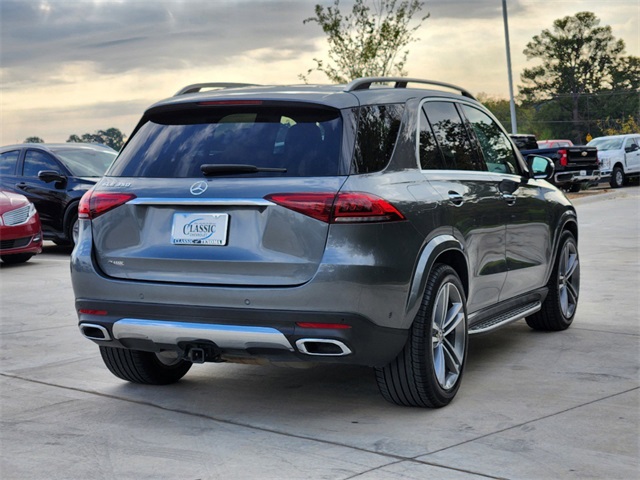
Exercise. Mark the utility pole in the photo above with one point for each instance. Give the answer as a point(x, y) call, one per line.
point(512, 103)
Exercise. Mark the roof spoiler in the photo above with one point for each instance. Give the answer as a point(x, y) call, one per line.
point(401, 82)
point(198, 87)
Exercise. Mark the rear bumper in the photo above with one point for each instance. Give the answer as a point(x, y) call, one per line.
point(241, 334)
point(582, 176)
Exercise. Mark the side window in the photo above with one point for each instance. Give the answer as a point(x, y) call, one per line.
point(496, 148)
point(378, 127)
point(430, 155)
point(451, 136)
point(35, 161)
point(8, 162)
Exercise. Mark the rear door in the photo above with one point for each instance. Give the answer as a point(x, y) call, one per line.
point(50, 198)
point(471, 198)
point(203, 180)
point(632, 154)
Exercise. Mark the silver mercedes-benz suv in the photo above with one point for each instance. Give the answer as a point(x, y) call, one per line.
point(376, 223)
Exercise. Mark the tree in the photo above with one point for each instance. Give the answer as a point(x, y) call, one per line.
point(581, 64)
point(33, 140)
point(111, 137)
point(502, 111)
point(368, 41)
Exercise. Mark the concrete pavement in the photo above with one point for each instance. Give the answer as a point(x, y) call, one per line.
point(532, 405)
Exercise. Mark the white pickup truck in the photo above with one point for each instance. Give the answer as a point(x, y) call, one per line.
point(619, 157)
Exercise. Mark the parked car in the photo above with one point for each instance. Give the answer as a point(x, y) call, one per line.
point(620, 157)
point(20, 230)
point(575, 166)
point(54, 177)
point(554, 143)
point(353, 224)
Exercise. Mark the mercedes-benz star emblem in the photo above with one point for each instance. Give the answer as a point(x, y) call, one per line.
point(198, 188)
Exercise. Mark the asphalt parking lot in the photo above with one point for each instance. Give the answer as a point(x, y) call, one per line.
point(532, 405)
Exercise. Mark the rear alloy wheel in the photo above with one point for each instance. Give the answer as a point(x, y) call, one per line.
point(145, 367)
point(617, 177)
point(560, 306)
point(427, 373)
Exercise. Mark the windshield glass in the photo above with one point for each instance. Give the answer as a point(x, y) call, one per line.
point(85, 162)
point(291, 141)
point(606, 143)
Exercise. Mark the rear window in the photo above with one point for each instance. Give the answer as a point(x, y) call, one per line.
point(85, 162)
point(296, 141)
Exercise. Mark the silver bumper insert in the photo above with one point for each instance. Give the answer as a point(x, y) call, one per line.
point(224, 336)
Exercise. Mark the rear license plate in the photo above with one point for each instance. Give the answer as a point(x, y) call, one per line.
point(583, 173)
point(200, 228)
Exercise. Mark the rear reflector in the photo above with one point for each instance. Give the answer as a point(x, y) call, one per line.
point(87, 311)
point(351, 207)
point(93, 204)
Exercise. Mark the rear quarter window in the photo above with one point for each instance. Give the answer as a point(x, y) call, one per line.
point(378, 127)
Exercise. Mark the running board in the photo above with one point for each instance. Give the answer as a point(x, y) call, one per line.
point(493, 323)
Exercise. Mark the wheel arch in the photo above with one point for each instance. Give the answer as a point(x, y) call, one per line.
point(445, 249)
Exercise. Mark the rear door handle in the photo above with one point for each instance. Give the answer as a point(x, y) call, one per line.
point(456, 198)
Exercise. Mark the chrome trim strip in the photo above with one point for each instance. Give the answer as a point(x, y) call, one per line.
point(244, 202)
point(104, 331)
point(519, 315)
point(225, 336)
point(303, 348)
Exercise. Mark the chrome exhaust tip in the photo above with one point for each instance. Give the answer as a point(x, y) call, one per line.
point(94, 332)
point(322, 347)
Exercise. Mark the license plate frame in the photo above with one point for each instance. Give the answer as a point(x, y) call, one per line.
point(210, 229)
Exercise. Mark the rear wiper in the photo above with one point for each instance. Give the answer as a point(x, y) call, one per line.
point(224, 169)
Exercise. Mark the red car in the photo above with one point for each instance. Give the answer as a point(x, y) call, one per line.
point(20, 231)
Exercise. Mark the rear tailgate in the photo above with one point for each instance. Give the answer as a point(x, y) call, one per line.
point(229, 235)
point(582, 157)
point(200, 174)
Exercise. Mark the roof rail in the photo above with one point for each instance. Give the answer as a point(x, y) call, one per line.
point(401, 82)
point(198, 87)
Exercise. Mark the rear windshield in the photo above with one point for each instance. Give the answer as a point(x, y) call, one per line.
point(286, 141)
point(85, 162)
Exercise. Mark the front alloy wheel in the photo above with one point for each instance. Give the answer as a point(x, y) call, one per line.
point(559, 308)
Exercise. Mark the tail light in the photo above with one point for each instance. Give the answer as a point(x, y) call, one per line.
point(564, 159)
point(93, 204)
point(352, 207)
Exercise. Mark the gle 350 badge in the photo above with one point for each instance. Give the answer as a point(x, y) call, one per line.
point(200, 229)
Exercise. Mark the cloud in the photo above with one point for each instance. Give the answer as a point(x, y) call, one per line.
point(121, 36)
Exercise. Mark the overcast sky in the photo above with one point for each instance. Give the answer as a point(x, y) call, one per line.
point(77, 66)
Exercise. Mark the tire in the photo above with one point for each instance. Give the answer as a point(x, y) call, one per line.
point(559, 308)
point(73, 229)
point(144, 367)
point(617, 177)
point(17, 258)
point(428, 372)
point(574, 187)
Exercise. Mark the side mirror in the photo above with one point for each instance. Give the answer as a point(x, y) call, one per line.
point(632, 148)
point(542, 168)
point(51, 176)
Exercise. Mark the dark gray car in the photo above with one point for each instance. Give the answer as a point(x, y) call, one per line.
point(355, 224)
